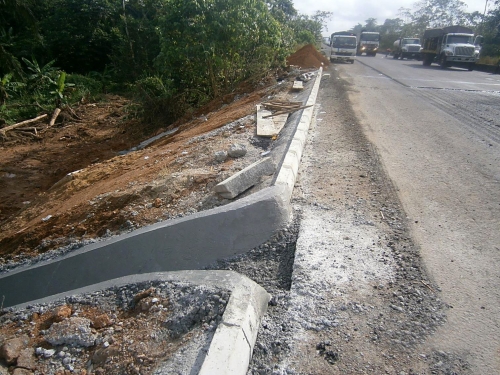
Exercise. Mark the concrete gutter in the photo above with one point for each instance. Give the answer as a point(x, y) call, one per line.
point(193, 242)
point(232, 345)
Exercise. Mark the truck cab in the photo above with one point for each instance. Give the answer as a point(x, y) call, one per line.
point(369, 42)
point(407, 48)
point(343, 47)
point(450, 46)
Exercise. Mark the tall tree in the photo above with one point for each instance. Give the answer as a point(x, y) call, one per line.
point(209, 45)
point(439, 13)
point(17, 25)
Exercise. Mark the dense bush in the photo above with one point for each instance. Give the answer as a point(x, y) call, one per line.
point(167, 51)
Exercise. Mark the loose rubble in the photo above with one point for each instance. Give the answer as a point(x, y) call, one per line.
point(132, 329)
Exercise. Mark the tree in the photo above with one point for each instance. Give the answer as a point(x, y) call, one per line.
point(79, 33)
point(282, 10)
point(439, 13)
point(208, 46)
point(370, 24)
point(15, 16)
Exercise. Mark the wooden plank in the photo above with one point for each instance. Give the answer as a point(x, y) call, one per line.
point(286, 111)
point(271, 125)
point(297, 85)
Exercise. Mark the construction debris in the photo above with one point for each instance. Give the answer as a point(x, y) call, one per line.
point(282, 108)
point(297, 85)
point(269, 123)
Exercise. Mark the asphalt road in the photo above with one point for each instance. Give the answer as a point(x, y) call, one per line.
point(437, 133)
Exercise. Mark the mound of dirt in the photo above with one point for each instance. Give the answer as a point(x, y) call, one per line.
point(307, 57)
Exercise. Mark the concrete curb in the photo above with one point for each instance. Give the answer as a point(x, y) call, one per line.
point(289, 169)
point(232, 345)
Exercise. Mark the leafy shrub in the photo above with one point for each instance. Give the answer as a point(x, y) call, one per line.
point(85, 87)
point(159, 104)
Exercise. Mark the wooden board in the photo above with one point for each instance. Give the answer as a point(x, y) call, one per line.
point(297, 85)
point(269, 127)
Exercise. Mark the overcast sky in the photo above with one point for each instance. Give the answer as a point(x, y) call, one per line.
point(348, 13)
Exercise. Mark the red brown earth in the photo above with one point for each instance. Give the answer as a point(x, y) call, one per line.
point(42, 208)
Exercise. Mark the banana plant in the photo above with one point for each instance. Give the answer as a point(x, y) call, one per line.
point(39, 74)
point(3, 88)
point(59, 87)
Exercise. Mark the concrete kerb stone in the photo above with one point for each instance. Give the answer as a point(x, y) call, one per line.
point(192, 242)
point(244, 179)
point(232, 345)
point(287, 174)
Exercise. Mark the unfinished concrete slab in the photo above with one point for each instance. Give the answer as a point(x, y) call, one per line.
point(298, 85)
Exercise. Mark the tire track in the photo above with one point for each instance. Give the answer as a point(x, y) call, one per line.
point(459, 104)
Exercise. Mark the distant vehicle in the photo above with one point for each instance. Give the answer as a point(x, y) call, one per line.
point(343, 46)
point(407, 48)
point(369, 42)
point(450, 46)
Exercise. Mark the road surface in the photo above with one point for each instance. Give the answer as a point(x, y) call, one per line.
point(437, 134)
point(397, 261)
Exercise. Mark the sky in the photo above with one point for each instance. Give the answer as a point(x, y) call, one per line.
point(348, 13)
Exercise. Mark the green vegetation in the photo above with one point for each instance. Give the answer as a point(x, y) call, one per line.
point(169, 55)
point(440, 13)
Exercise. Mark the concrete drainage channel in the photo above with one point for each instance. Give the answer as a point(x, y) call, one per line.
point(159, 252)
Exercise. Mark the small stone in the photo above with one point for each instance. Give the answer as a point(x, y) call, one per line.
point(101, 321)
point(237, 150)
point(220, 156)
point(61, 313)
point(48, 353)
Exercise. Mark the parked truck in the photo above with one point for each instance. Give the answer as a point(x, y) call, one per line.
point(369, 42)
point(406, 48)
point(449, 46)
point(343, 46)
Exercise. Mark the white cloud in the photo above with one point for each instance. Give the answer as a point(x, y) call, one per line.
point(348, 13)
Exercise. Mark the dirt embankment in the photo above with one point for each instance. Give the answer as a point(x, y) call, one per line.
point(107, 191)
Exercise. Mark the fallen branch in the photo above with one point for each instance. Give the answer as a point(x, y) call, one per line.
point(31, 129)
point(73, 113)
point(6, 129)
point(54, 117)
point(28, 134)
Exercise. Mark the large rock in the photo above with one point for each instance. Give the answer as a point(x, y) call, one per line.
point(74, 331)
point(27, 359)
point(11, 349)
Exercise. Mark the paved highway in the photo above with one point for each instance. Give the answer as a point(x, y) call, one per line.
point(438, 136)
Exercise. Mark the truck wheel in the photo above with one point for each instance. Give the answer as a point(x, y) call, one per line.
point(427, 60)
point(470, 67)
point(442, 61)
point(352, 61)
point(395, 56)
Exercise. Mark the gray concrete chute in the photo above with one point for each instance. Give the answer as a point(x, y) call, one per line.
point(192, 242)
